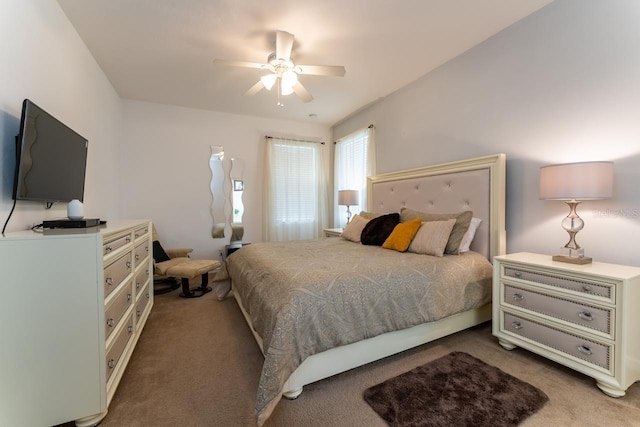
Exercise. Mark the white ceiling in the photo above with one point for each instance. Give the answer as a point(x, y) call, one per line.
point(162, 50)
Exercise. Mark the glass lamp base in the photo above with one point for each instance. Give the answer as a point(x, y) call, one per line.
point(573, 256)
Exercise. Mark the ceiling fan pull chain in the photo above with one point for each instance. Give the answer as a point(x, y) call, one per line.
point(279, 104)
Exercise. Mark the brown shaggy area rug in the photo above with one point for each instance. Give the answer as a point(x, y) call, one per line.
point(455, 390)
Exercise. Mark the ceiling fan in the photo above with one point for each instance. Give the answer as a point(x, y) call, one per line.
point(283, 73)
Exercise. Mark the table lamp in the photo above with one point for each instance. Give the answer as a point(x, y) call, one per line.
point(574, 183)
point(348, 198)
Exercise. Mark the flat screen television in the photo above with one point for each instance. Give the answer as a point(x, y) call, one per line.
point(51, 158)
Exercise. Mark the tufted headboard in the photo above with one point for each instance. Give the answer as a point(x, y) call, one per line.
point(475, 184)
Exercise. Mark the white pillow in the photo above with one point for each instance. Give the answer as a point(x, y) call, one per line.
point(353, 230)
point(469, 235)
point(432, 237)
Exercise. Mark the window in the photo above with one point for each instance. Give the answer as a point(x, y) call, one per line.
point(354, 162)
point(294, 199)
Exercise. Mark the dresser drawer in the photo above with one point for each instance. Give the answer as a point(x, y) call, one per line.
point(116, 272)
point(590, 351)
point(117, 308)
point(588, 288)
point(588, 316)
point(142, 303)
point(141, 232)
point(140, 280)
point(114, 353)
point(141, 252)
point(112, 244)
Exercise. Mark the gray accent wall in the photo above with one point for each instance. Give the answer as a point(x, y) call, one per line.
point(562, 85)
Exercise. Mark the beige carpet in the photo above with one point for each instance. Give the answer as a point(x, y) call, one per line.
point(197, 364)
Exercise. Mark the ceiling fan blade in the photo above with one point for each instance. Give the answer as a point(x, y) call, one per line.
point(254, 89)
point(302, 93)
point(284, 44)
point(244, 64)
point(321, 70)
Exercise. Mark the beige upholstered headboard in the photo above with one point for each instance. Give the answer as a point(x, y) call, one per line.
point(474, 184)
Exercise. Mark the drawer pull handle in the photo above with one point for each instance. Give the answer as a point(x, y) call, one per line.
point(586, 288)
point(585, 315)
point(111, 322)
point(137, 285)
point(111, 363)
point(585, 350)
point(138, 313)
point(518, 297)
point(128, 239)
point(109, 281)
point(130, 329)
point(129, 264)
point(128, 297)
point(518, 274)
point(516, 325)
point(146, 248)
point(137, 257)
point(108, 249)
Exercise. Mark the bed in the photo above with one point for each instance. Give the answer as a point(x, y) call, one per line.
point(344, 316)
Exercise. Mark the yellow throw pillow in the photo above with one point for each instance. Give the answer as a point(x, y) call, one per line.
point(402, 235)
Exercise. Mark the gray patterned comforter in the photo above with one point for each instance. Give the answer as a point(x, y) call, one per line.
point(305, 297)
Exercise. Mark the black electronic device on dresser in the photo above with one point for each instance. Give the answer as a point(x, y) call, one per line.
point(72, 223)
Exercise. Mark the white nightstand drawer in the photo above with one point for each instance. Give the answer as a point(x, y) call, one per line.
point(589, 288)
point(588, 316)
point(590, 351)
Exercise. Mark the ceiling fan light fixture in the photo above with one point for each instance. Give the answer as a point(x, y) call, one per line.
point(289, 78)
point(284, 73)
point(285, 89)
point(268, 80)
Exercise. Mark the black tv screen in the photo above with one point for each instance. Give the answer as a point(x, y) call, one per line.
point(51, 158)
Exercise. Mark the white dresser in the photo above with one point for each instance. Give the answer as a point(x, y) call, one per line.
point(582, 316)
point(72, 307)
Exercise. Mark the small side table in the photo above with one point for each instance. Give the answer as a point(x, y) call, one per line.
point(581, 316)
point(332, 232)
point(232, 247)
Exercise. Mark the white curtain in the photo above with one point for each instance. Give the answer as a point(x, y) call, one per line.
point(354, 161)
point(294, 193)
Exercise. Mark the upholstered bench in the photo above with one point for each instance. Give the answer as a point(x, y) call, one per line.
point(187, 269)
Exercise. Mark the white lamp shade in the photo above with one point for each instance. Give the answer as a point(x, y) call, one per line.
point(286, 90)
point(348, 197)
point(577, 181)
point(289, 78)
point(268, 80)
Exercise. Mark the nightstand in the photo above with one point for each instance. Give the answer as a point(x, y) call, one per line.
point(581, 316)
point(332, 232)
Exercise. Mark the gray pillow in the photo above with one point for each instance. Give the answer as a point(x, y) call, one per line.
point(463, 219)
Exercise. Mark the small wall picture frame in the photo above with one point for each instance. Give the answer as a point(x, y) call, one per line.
point(238, 185)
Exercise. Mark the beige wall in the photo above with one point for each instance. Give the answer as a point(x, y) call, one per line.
point(43, 58)
point(166, 155)
point(559, 86)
